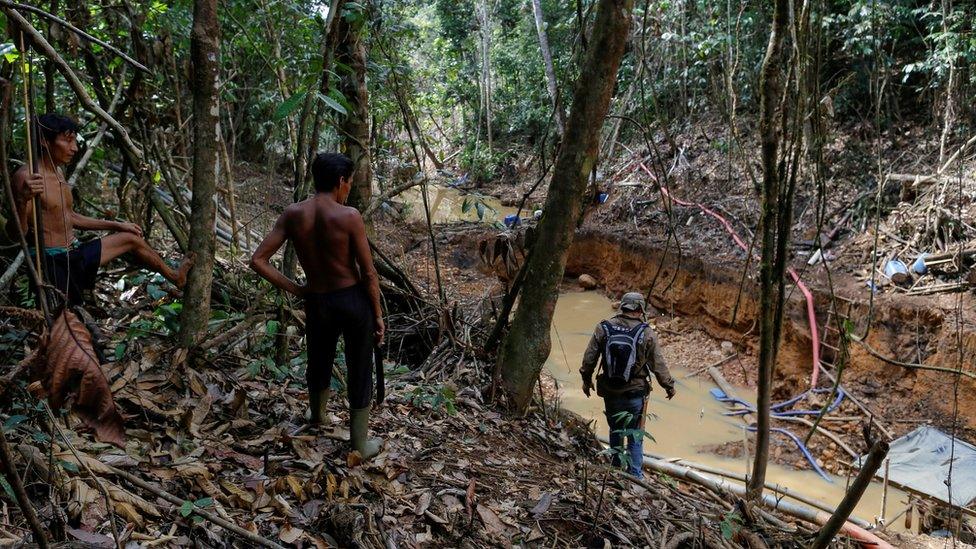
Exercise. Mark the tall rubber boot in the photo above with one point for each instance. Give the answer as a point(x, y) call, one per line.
point(316, 405)
point(359, 431)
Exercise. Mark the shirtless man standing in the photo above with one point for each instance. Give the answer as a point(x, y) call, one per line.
point(342, 291)
point(70, 265)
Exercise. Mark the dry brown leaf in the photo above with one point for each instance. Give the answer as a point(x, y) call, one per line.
point(198, 415)
point(330, 486)
point(95, 465)
point(121, 495)
point(423, 503)
point(71, 367)
point(130, 513)
point(296, 487)
point(290, 534)
point(91, 539)
point(243, 497)
point(493, 524)
point(543, 504)
point(469, 499)
point(81, 497)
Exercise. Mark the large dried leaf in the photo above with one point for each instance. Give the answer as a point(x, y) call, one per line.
point(493, 524)
point(71, 367)
point(122, 496)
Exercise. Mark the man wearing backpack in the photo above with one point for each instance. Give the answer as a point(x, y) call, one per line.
point(628, 352)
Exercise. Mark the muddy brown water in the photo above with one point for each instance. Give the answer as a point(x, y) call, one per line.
point(689, 422)
point(446, 206)
point(680, 427)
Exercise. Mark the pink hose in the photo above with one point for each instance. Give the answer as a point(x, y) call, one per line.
point(811, 311)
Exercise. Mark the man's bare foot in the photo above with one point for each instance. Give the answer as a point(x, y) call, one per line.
point(185, 269)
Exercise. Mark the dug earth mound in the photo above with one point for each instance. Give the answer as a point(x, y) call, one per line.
point(912, 330)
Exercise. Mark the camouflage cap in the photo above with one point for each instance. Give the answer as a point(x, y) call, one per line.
point(633, 301)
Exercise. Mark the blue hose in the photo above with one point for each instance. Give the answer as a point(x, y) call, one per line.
point(748, 408)
point(803, 449)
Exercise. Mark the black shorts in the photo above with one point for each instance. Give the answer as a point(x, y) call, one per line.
point(345, 312)
point(74, 271)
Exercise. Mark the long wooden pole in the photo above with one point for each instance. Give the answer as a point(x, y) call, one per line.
point(25, 76)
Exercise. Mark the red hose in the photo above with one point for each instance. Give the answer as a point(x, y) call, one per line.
point(811, 311)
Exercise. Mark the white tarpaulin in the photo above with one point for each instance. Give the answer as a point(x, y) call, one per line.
point(920, 461)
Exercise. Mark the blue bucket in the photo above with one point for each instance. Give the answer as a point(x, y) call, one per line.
point(602, 197)
point(512, 220)
point(897, 271)
point(919, 266)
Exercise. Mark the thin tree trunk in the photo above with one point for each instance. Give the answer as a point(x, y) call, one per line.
point(769, 92)
point(527, 344)
point(281, 79)
point(869, 467)
point(204, 52)
point(49, 104)
point(351, 52)
point(540, 26)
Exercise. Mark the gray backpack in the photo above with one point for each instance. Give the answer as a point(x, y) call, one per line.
point(620, 351)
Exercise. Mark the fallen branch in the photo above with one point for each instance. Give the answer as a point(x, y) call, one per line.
point(90, 146)
point(244, 534)
point(13, 477)
point(877, 454)
point(11, 271)
point(109, 504)
point(390, 193)
point(769, 501)
point(77, 31)
point(69, 75)
point(871, 351)
point(230, 334)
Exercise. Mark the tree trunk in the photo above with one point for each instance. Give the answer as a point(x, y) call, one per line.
point(351, 53)
point(540, 26)
point(204, 52)
point(770, 296)
point(527, 344)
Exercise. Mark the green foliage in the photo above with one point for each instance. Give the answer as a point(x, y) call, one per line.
point(437, 397)
point(620, 452)
point(731, 524)
point(189, 507)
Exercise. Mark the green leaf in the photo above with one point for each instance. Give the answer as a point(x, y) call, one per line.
point(333, 104)
point(288, 106)
point(155, 292)
point(13, 421)
point(68, 466)
point(38, 436)
point(272, 327)
point(7, 488)
point(186, 508)
point(466, 205)
point(480, 206)
point(120, 351)
point(204, 502)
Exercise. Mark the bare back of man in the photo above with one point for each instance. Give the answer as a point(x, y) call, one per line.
point(324, 233)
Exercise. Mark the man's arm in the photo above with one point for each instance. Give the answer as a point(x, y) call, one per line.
point(657, 364)
point(86, 223)
point(590, 358)
point(261, 260)
point(367, 270)
point(25, 187)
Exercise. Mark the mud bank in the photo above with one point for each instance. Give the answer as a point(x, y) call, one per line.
point(906, 329)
